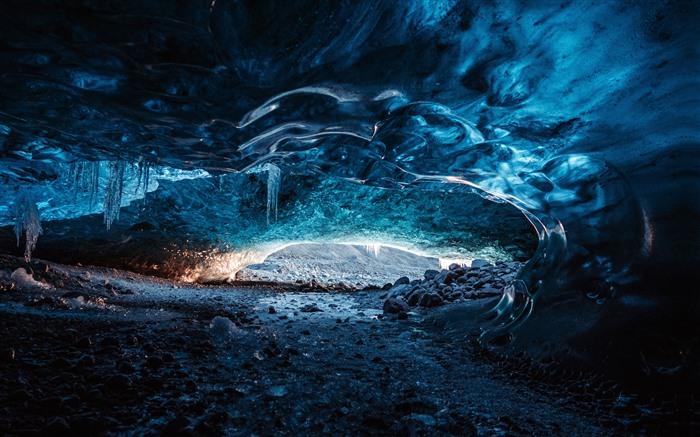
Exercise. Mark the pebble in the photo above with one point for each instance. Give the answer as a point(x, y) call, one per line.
point(83, 343)
point(481, 280)
point(119, 382)
point(311, 308)
point(154, 362)
point(56, 426)
point(8, 355)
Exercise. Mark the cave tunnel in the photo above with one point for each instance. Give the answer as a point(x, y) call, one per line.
point(378, 218)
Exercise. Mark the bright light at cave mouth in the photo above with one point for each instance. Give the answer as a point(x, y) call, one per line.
point(360, 263)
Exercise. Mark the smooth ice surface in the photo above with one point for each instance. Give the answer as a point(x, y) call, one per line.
point(583, 115)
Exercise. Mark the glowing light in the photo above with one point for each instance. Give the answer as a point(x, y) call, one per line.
point(373, 248)
point(445, 263)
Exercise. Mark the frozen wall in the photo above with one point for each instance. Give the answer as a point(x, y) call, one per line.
point(584, 115)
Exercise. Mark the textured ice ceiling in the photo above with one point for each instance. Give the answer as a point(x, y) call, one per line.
point(583, 115)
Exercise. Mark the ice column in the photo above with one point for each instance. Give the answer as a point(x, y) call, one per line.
point(27, 221)
point(113, 192)
point(274, 177)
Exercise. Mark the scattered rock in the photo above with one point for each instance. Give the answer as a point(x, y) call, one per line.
point(430, 299)
point(56, 426)
point(395, 306)
point(430, 274)
point(83, 343)
point(311, 308)
point(478, 263)
point(402, 281)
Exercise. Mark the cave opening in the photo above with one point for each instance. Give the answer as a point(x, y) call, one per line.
point(170, 171)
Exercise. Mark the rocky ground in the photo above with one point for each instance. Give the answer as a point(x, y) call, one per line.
point(105, 352)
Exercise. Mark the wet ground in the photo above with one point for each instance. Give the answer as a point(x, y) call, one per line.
point(105, 352)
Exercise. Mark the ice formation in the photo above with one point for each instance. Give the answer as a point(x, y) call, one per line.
point(274, 178)
point(27, 222)
point(584, 117)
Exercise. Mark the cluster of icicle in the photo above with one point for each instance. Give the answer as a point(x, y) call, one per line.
point(84, 178)
point(27, 222)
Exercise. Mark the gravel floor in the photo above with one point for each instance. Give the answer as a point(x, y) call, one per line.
point(105, 352)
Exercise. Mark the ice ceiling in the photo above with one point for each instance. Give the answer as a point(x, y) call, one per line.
point(583, 115)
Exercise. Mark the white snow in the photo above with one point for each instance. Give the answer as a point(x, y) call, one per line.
point(25, 280)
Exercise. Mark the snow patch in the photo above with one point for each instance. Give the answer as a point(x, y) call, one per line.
point(25, 280)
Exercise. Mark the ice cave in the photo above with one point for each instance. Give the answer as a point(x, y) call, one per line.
point(429, 217)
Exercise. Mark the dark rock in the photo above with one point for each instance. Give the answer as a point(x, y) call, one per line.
point(395, 306)
point(71, 401)
point(60, 363)
point(86, 361)
point(176, 426)
point(430, 274)
point(400, 290)
point(205, 428)
point(41, 301)
point(450, 277)
point(94, 395)
point(454, 266)
point(402, 280)
point(415, 297)
point(311, 308)
point(125, 367)
point(7, 355)
point(108, 350)
point(155, 384)
point(83, 343)
point(271, 310)
point(20, 395)
point(143, 226)
point(110, 341)
point(478, 263)
point(403, 315)
point(57, 426)
point(119, 382)
point(87, 424)
point(168, 357)
point(51, 403)
point(154, 362)
point(430, 299)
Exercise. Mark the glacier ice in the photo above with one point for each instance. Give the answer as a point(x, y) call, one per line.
point(27, 222)
point(274, 179)
point(113, 192)
point(585, 117)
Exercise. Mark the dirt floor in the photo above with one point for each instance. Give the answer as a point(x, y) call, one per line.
point(88, 351)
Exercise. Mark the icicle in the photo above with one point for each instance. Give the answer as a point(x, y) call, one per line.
point(113, 192)
point(274, 177)
point(27, 221)
point(373, 248)
point(146, 179)
point(144, 175)
point(93, 182)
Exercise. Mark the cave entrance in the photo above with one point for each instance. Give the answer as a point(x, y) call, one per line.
point(345, 265)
